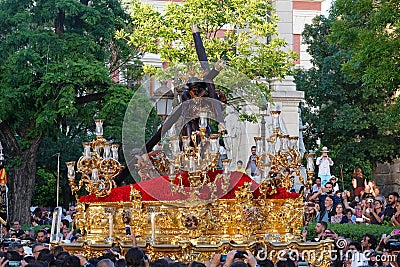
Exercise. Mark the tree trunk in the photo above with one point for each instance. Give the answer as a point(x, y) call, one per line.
point(21, 185)
point(59, 22)
point(21, 177)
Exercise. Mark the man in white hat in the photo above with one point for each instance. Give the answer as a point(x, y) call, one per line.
point(324, 162)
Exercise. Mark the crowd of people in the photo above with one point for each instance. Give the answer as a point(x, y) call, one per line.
point(371, 251)
point(324, 203)
point(363, 204)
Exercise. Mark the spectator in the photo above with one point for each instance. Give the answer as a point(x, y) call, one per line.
point(56, 250)
point(266, 263)
point(5, 229)
point(321, 228)
point(105, 263)
point(358, 181)
point(29, 234)
point(327, 201)
point(239, 167)
point(70, 214)
point(64, 224)
point(75, 261)
point(357, 258)
point(67, 234)
point(351, 218)
point(374, 188)
point(335, 184)
point(369, 242)
point(310, 213)
point(376, 213)
point(41, 236)
point(135, 257)
point(197, 264)
point(45, 255)
point(230, 256)
point(160, 263)
point(323, 193)
point(45, 218)
point(390, 208)
point(324, 162)
point(4, 246)
point(36, 249)
point(396, 217)
point(398, 259)
point(386, 257)
point(367, 192)
point(16, 247)
point(254, 171)
point(17, 229)
point(357, 214)
point(339, 217)
point(317, 185)
point(121, 263)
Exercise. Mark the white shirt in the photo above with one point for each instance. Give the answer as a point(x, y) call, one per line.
point(358, 259)
point(324, 164)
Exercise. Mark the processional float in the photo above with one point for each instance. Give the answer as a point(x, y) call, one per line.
point(192, 209)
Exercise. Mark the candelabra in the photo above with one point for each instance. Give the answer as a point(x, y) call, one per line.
point(281, 161)
point(196, 155)
point(98, 166)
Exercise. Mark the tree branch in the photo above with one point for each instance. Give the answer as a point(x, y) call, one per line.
point(9, 138)
point(90, 98)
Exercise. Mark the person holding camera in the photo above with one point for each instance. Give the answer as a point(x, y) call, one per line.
point(233, 258)
point(395, 219)
point(327, 201)
point(375, 211)
point(324, 163)
point(310, 213)
point(317, 185)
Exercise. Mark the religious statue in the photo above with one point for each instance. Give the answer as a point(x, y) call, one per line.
point(233, 127)
point(196, 89)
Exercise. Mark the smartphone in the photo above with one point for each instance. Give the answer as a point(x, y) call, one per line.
point(14, 263)
point(128, 230)
point(223, 258)
point(305, 228)
point(240, 254)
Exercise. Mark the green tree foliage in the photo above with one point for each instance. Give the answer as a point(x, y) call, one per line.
point(353, 111)
point(244, 25)
point(57, 59)
point(45, 189)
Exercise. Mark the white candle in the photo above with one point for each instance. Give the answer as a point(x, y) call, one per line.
point(153, 226)
point(110, 222)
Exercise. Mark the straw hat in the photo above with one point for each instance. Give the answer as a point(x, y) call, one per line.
point(324, 149)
